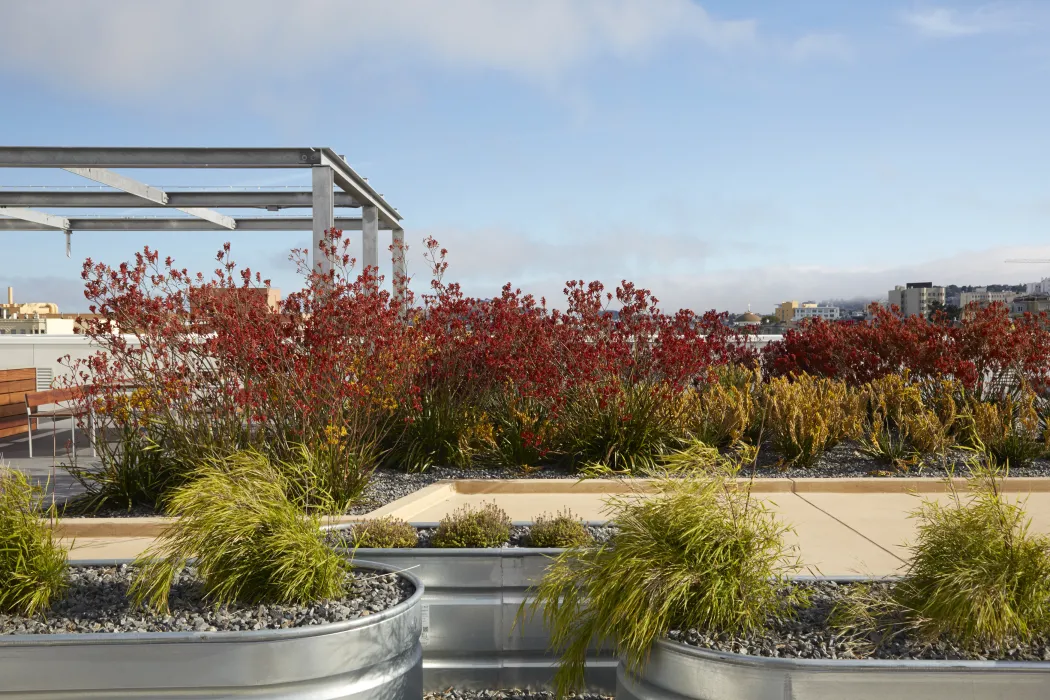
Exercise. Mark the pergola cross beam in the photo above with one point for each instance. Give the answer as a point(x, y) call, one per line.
point(152, 194)
point(41, 219)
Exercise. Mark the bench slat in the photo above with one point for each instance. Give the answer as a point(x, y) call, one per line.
point(42, 398)
point(20, 386)
point(14, 375)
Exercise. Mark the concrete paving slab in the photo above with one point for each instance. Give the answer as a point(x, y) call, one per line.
point(882, 518)
point(90, 548)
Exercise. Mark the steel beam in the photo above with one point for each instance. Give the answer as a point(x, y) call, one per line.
point(151, 194)
point(217, 199)
point(283, 223)
point(24, 217)
point(63, 157)
point(356, 186)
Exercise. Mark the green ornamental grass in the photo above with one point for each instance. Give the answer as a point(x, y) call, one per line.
point(32, 565)
point(978, 577)
point(699, 554)
point(244, 521)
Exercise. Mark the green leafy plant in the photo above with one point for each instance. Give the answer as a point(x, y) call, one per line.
point(487, 526)
point(977, 576)
point(32, 564)
point(627, 428)
point(244, 521)
point(561, 530)
point(701, 553)
point(384, 533)
point(806, 416)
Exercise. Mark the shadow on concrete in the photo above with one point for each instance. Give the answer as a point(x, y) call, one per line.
point(51, 449)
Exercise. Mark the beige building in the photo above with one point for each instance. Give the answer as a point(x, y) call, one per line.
point(37, 325)
point(787, 311)
point(13, 310)
point(917, 298)
point(1030, 303)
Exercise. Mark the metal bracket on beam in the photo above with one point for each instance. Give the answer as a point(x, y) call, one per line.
point(152, 194)
point(69, 242)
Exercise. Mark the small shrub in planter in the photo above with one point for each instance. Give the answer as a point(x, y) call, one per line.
point(699, 554)
point(32, 564)
point(243, 519)
point(560, 531)
point(384, 533)
point(806, 416)
point(487, 526)
point(977, 578)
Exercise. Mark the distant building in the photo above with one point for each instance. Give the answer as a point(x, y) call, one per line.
point(916, 298)
point(36, 325)
point(983, 297)
point(1030, 303)
point(13, 310)
point(787, 311)
point(1040, 287)
point(749, 319)
point(230, 298)
point(828, 313)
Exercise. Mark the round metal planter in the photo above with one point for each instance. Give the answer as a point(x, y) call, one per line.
point(679, 672)
point(378, 657)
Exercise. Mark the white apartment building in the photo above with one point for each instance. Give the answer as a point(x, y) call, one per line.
point(983, 297)
point(1040, 287)
point(828, 313)
point(917, 298)
point(36, 325)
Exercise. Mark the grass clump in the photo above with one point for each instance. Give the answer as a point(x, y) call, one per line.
point(32, 565)
point(977, 576)
point(904, 421)
point(384, 533)
point(487, 526)
point(561, 531)
point(1008, 428)
point(244, 520)
point(626, 427)
point(977, 579)
point(699, 554)
point(724, 411)
point(806, 416)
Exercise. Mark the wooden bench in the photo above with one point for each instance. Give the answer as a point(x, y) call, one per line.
point(14, 384)
point(65, 407)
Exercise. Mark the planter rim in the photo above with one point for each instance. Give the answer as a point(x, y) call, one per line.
point(117, 638)
point(906, 665)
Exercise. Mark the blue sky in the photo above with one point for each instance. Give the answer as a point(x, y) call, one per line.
point(721, 153)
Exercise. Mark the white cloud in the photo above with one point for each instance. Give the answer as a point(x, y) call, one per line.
point(131, 46)
point(686, 273)
point(948, 22)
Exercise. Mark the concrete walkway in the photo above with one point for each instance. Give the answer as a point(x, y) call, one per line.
point(842, 526)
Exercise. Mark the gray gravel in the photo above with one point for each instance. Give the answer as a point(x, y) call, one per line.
point(453, 694)
point(96, 601)
point(388, 485)
point(809, 637)
point(519, 536)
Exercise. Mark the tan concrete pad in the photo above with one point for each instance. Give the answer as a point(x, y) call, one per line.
point(88, 548)
point(883, 518)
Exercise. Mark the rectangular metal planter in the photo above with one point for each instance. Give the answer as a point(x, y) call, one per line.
point(679, 672)
point(377, 657)
point(471, 600)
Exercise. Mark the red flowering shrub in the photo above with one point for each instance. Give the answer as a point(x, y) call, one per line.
point(215, 370)
point(986, 348)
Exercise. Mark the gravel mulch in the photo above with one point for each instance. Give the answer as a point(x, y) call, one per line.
point(96, 601)
point(809, 637)
point(453, 694)
point(519, 536)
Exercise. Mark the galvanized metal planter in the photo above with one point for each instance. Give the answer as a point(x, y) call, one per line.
point(371, 658)
point(470, 603)
point(679, 672)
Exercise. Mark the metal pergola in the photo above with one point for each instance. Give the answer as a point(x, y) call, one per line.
point(20, 210)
